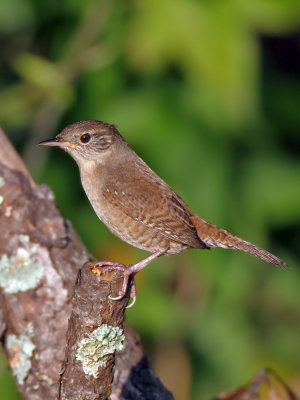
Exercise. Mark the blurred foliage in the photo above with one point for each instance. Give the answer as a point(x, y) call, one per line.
point(266, 385)
point(208, 93)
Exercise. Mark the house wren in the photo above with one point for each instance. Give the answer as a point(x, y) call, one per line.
point(135, 203)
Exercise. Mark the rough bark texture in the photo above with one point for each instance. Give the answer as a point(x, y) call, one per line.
point(91, 310)
point(40, 257)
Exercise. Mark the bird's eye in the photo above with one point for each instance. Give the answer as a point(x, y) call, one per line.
point(85, 138)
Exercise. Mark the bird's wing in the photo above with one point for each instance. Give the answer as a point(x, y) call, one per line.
point(150, 201)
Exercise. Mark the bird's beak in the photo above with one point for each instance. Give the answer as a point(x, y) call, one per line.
point(57, 141)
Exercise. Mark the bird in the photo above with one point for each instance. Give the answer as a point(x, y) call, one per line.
point(136, 204)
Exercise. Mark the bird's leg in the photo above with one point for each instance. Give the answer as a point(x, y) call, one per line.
point(128, 272)
point(135, 268)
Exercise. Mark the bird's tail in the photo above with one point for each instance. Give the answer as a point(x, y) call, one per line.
point(214, 236)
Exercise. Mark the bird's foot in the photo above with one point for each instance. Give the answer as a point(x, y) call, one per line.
point(123, 290)
point(114, 265)
point(128, 272)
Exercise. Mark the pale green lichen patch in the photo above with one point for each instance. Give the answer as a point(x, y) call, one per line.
point(20, 350)
point(22, 271)
point(24, 239)
point(44, 378)
point(93, 350)
point(30, 329)
point(2, 181)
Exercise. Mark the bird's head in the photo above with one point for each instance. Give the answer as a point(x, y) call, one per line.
point(87, 140)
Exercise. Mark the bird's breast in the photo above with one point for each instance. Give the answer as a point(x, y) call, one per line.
point(121, 224)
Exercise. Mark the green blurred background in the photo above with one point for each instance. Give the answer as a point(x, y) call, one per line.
point(208, 93)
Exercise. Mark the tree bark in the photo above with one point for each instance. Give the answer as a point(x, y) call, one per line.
point(40, 258)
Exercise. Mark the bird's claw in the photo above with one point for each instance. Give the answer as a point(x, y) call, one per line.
point(128, 272)
point(113, 265)
point(132, 295)
point(116, 298)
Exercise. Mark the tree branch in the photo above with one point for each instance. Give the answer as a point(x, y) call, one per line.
point(95, 332)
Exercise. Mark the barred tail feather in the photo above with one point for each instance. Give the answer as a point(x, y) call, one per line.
point(214, 236)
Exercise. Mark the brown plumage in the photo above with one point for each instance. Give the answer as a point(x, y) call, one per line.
point(134, 202)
